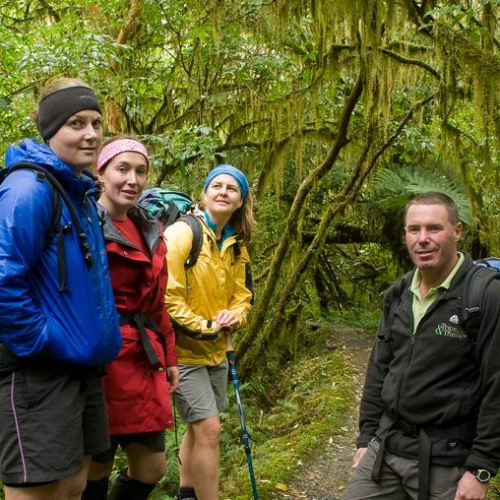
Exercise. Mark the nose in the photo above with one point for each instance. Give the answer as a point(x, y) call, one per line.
point(90, 132)
point(132, 177)
point(423, 236)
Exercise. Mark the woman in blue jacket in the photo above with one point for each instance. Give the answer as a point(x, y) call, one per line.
point(59, 324)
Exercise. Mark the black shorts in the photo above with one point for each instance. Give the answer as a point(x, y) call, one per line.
point(154, 441)
point(49, 420)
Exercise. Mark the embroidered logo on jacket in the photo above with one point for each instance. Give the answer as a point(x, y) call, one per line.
point(454, 319)
point(451, 331)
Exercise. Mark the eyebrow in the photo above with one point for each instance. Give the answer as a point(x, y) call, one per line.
point(235, 184)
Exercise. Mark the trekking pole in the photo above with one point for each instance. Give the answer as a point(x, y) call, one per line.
point(246, 442)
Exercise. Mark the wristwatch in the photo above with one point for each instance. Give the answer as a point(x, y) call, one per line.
point(482, 475)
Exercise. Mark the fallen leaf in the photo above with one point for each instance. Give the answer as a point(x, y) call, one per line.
point(282, 486)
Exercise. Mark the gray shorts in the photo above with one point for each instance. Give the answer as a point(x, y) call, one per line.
point(202, 391)
point(49, 420)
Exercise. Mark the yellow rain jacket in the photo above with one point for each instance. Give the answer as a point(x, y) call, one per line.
point(218, 280)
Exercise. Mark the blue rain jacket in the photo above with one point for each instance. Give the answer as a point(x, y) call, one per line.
point(79, 325)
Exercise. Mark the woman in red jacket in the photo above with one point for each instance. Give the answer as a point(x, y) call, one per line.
point(144, 374)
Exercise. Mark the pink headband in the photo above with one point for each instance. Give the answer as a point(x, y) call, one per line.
point(117, 147)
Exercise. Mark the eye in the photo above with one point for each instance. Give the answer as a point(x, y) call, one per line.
point(97, 124)
point(75, 123)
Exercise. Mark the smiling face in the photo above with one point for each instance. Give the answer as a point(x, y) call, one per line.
point(124, 179)
point(222, 198)
point(77, 142)
point(432, 241)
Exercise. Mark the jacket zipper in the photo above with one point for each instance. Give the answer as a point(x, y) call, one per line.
point(414, 334)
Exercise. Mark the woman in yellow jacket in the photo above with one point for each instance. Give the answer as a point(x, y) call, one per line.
point(205, 302)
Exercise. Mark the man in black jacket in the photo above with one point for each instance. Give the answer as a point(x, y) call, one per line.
point(430, 411)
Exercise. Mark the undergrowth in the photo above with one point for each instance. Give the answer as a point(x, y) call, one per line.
point(312, 398)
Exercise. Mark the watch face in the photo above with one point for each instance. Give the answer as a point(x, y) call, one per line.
point(483, 475)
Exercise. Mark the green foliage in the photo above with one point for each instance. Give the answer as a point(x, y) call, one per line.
point(397, 187)
point(365, 320)
point(313, 398)
point(188, 151)
point(494, 491)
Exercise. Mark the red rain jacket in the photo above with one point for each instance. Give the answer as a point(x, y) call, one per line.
point(137, 392)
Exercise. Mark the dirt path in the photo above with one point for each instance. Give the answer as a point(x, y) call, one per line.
point(325, 477)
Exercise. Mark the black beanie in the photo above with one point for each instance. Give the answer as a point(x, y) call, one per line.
point(54, 109)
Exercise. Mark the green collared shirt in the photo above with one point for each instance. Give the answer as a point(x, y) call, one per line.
point(420, 305)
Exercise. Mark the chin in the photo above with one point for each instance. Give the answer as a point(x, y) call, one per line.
point(424, 264)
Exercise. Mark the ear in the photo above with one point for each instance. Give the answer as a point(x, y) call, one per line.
point(458, 231)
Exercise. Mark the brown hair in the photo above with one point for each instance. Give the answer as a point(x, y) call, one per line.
point(244, 220)
point(436, 198)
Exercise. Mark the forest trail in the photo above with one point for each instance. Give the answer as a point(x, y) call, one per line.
point(325, 476)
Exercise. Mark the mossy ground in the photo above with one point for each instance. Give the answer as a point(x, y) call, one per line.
point(313, 399)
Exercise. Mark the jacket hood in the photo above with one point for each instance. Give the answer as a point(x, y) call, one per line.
point(148, 225)
point(35, 152)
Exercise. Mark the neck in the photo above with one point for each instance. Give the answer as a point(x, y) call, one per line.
point(113, 212)
point(219, 221)
point(432, 278)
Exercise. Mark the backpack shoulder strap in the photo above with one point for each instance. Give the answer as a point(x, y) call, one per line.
point(58, 192)
point(237, 250)
point(195, 224)
point(475, 284)
point(401, 285)
point(393, 297)
point(42, 175)
point(169, 213)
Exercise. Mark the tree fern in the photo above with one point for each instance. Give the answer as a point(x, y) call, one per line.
point(395, 188)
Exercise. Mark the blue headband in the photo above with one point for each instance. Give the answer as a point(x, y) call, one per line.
point(238, 176)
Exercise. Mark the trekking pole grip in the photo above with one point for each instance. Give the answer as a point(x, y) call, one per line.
point(229, 340)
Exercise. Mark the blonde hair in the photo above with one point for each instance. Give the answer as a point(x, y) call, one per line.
point(244, 219)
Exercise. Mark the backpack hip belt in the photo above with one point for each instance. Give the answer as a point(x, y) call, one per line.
point(142, 321)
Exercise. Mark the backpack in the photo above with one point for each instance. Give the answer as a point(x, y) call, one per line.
point(485, 271)
point(170, 206)
point(55, 228)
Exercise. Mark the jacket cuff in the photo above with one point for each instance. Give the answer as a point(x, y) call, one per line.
point(362, 441)
point(208, 326)
point(474, 463)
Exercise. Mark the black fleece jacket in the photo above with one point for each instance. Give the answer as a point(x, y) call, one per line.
point(437, 376)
